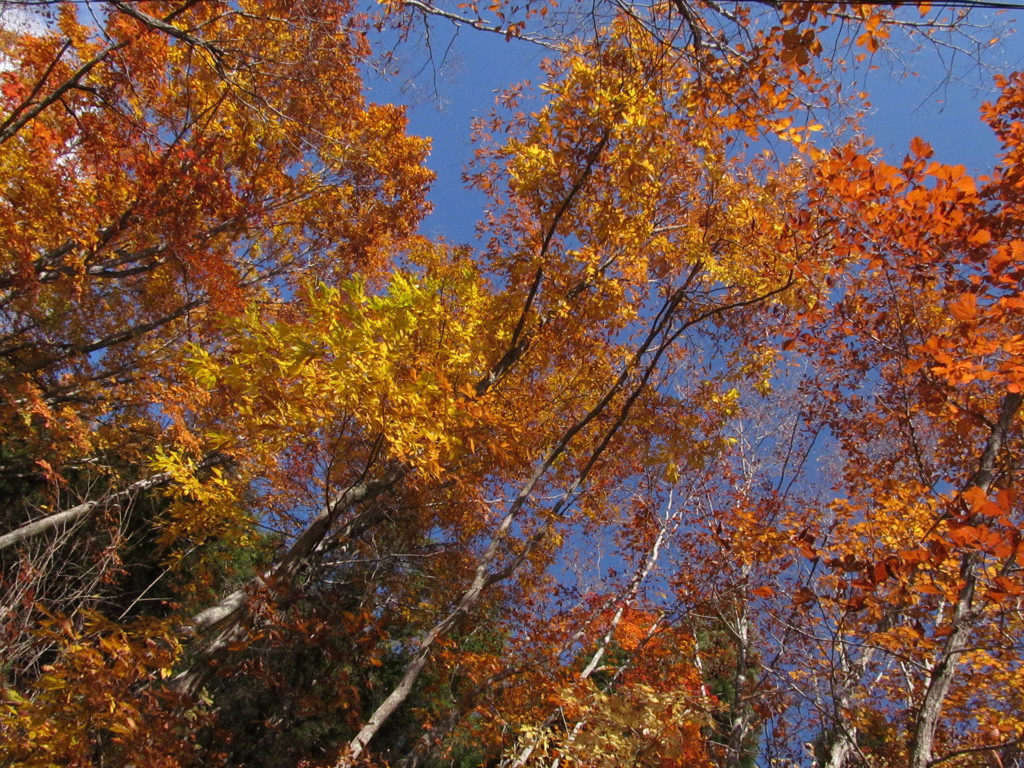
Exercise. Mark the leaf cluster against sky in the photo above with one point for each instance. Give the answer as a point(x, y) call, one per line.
point(705, 452)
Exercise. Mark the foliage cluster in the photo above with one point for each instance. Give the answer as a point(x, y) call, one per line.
point(706, 454)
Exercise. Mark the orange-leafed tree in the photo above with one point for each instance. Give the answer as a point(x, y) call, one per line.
point(919, 351)
point(163, 168)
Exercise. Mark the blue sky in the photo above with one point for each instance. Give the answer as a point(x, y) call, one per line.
point(478, 65)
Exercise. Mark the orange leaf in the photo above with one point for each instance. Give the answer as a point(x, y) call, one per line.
point(965, 308)
point(965, 184)
point(921, 149)
point(964, 535)
point(980, 237)
point(1005, 499)
point(975, 497)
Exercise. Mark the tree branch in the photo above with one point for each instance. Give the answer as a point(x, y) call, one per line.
point(76, 513)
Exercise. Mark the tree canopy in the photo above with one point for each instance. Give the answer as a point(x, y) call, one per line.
point(703, 454)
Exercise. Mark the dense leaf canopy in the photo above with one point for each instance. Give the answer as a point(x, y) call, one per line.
point(704, 454)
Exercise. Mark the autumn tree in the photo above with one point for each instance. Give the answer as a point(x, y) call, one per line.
point(925, 523)
point(288, 480)
point(161, 170)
